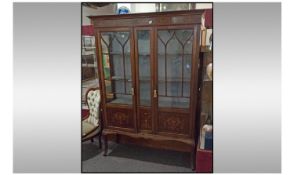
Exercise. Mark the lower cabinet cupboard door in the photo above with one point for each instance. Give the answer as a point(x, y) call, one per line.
point(121, 118)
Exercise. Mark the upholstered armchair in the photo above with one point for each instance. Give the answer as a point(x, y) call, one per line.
point(91, 125)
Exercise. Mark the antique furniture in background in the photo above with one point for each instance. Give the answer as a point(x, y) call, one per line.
point(204, 157)
point(89, 65)
point(148, 74)
point(89, 69)
point(91, 125)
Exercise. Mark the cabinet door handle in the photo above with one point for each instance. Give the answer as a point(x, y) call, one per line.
point(154, 93)
point(132, 91)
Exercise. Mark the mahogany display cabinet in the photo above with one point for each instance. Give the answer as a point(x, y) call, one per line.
point(148, 73)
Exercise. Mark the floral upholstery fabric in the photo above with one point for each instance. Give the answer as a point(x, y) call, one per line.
point(93, 100)
point(87, 127)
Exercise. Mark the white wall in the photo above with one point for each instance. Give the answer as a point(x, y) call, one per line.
point(203, 5)
point(142, 7)
point(106, 10)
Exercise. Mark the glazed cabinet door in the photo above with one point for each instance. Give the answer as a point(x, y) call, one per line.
point(144, 79)
point(117, 70)
point(174, 78)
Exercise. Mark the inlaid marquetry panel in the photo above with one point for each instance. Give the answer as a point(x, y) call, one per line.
point(170, 122)
point(145, 119)
point(120, 117)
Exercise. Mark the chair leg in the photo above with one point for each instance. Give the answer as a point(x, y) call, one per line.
point(105, 145)
point(100, 144)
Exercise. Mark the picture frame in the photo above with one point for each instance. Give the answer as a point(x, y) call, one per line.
point(89, 67)
point(88, 42)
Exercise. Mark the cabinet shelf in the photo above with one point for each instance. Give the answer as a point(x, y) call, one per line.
point(175, 104)
point(121, 78)
point(161, 80)
point(116, 53)
point(126, 53)
point(89, 65)
point(175, 54)
point(144, 80)
point(144, 54)
point(119, 100)
point(148, 54)
point(129, 80)
point(128, 100)
point(89, 54)
point(85, 47)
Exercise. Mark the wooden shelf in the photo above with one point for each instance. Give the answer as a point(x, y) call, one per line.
point(145, 80)
point(89, 54)
point(174, 104)
point(117, 78)
point(148, 79)
point(120, 54)
point(89, 65)
point(88, 47)
point(148, 54)
point(121, 100)
point(173, 80)
point(116, 53)
point(144, 54)
point(176, 54)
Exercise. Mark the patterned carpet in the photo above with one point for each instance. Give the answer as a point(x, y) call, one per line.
point(130, 158)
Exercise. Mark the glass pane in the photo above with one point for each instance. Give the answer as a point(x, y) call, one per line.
point(174, 67)
point(186, 91)
point(173, 102)
point(144, 67)
point(117, 67)
point(128, 68)
point(173, 77)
